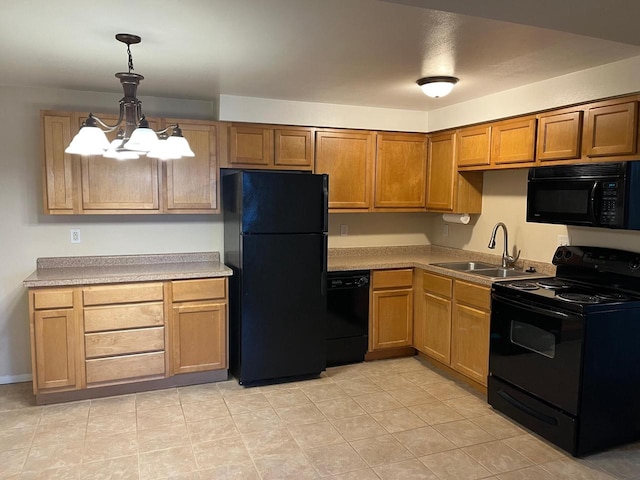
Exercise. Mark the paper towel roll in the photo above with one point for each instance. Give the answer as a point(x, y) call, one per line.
point(463, 218)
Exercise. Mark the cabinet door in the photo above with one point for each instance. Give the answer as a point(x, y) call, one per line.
point(58, 183)
point(392, 318)
point(470, 349)
point(559, 136)
point(474, 146)
point(611, 130)
point(54, 337)
point(400, 171)
point(436, 327)
point(110, 184)
point(348, 158)
point(294, 148)
point(199, 337)
point(441, 172)
point(191, 183)
point(513, 141)
point(250, 146)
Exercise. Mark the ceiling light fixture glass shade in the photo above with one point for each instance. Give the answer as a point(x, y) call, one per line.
point(436, 87)
point(136, 137)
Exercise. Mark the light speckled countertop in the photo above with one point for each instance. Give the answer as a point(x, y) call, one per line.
point(423, 256)
point(62, 271)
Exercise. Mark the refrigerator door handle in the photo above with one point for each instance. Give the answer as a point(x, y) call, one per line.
point(323, 275)
point(325, 203)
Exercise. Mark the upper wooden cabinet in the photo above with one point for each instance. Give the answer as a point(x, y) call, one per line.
point(191, 183)
point(559, 135)
point(513, 142)
point(474, 146)
point(400, 171)
point(269, 147)
point(611, 129)
point(99, 185)
point(447, 189)
point(347, 157)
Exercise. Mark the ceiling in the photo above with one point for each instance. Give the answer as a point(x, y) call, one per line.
point(354, 52)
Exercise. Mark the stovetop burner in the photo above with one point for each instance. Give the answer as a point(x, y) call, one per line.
point(552, 283)
point(613, 296)
point(523, 286)
point(579, 297)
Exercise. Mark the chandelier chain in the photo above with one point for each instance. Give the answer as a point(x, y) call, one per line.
point(130, 58)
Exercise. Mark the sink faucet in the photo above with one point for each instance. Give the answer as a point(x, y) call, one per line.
point(507, 260)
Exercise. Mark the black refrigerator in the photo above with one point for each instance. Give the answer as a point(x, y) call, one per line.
point(275, 241)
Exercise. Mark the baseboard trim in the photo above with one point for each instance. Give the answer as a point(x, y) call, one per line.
point(27, 377)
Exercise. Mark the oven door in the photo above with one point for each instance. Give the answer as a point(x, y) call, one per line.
point(538, 349)
point(562, 200)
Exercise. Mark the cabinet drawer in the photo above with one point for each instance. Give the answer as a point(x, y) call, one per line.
point(436, 284)
point(118, 317)
point(52, 299)
point(122, 342)
point(203, 289)
point(392, 278)
point(473, 295)
point(127, 293)
point(127, 367)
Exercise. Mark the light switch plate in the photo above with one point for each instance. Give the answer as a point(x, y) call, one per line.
point(563, 240)
point(445, 230)
point(344, 229)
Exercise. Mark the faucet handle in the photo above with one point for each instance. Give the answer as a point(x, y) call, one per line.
point(511, 261)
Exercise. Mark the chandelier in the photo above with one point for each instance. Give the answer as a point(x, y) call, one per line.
point(135, 137)
point(436, 87)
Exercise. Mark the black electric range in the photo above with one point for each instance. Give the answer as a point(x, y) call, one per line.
point(564, 355)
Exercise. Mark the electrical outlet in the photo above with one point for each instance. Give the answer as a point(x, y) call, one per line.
point(344, 230)
point(563, 240)
point(445, 230)
point(75, 235)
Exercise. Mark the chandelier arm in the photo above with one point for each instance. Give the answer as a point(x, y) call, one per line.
point(165, 130)
point(109, 128)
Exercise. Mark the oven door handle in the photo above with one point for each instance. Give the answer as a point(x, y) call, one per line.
point(527, 409)
point(531, 308)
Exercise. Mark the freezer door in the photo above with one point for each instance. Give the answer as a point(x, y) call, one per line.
point(284, 202)
point(284, 306)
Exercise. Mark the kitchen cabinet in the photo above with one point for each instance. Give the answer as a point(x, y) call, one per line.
point(199, 325)
point(190, 184)
point(452, 324)
point(433, 317)
point(474, 146)
point(400, 171)
point(611, 130)
point(347, 156)
point(513, 142)
point(114, 351)
point(54, 340)
point(447, 189)
point(559, 135)
point(98, 340)
point(99, 185)
point(270, 147)
point(391, 312)
point(470, 330)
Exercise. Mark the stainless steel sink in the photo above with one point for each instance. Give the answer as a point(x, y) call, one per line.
point(466, 266)
point(500, 273)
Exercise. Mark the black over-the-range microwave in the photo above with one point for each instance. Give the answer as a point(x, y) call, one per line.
point(603, 195)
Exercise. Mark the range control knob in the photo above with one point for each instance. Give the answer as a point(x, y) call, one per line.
point(559, 252)
point(634, 264)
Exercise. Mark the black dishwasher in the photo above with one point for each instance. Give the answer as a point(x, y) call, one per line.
point(347, 316)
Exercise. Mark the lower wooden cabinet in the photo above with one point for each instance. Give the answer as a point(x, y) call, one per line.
point(452, 323)
point(199, 326)
point(90, 337)
point(391, 312)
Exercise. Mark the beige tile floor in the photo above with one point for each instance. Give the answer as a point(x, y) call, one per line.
point(390, 419)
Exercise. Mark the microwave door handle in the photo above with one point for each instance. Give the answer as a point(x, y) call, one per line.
point(593, 202)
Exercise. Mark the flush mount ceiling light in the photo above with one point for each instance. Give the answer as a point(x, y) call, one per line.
point(135, 137)
point(436, 87)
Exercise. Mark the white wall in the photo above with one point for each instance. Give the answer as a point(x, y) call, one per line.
point(594, 83)
point(379, 229)
point(264, 110)
point(504, 200)
point(26, 233)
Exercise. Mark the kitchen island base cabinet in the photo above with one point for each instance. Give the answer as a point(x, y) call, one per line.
point(101, 340)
